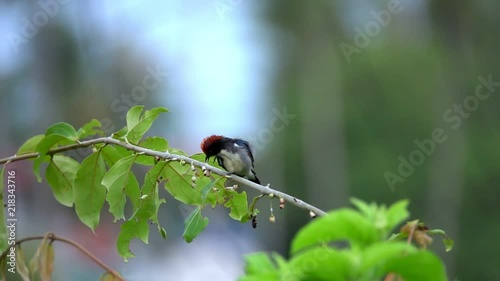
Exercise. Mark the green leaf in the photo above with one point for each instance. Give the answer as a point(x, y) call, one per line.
point(447, 241)
point(342, 224)
point(129, 230)
point(121, 133)
point(145, 160)
point(136, 129)
point(206, 193)
point(150, 205)
point(201, 157)
point(398, 236)
point(377, 215)
point(217, 193)
point(47, 143)
point(4, 236)
point(110, 155)
point(64, 130)
point(239, 206)
point(89, 193)
point(57, 133)
point(194, 225)
point(177, 151)
point(206, 185)
point(91, 128)
point(153, 143)
point(60, 176)
point(132, 191)
point(198, 157)
point(260, 266)
point(179, 184)
point(162, 232)
point(29, 146)
point(42, 148)
point(321, 263)
point(418, 266)
point(367, 209)
point(117, 180)
point(134, 116)
point(259, 263)
point(262, 277)
point(137, 226)
point(280, 261)
point(376, 255)
point(124, 152)
point(397, 213)
point(384, 219)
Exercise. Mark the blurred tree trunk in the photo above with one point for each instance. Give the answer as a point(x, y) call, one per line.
point(321, 112)
point(446, 185)
point(314, 157)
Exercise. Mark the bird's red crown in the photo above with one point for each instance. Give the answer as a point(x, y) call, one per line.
point(208, 141)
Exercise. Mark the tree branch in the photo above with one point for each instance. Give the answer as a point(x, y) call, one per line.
point(173, 157)
point(53, 237)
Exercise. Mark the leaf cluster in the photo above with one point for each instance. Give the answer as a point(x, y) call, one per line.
point(106, 175)
point(370, 255)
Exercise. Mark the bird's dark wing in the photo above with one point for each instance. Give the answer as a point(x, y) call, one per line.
point(241, 142)
point(220, 161)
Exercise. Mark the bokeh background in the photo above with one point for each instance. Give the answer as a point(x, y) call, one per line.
point(334, 96)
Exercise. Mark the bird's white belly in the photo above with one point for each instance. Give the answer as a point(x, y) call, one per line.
point(232, 161)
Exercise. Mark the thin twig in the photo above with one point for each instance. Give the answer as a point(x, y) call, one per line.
point(168, 156)
point(53, 237)
point(255, 199)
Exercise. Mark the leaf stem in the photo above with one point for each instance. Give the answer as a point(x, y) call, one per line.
point(53, 237)
point(255, 199)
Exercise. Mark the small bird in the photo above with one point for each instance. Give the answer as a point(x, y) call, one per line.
point(234, 155)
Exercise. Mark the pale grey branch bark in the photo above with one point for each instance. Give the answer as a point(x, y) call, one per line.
point(173, 157)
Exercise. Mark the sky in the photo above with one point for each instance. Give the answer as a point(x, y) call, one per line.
point(217, 57)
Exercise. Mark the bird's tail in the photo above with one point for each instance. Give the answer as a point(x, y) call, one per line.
point(255, 179)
